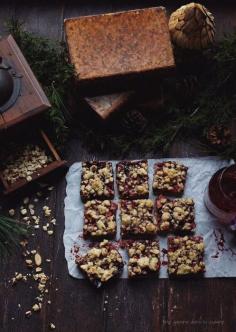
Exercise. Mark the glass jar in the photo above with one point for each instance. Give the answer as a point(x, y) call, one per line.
point(220, 196)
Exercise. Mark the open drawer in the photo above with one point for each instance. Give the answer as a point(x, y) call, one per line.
point(10, 151)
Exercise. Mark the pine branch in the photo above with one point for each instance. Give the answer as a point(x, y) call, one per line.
point(11, 231)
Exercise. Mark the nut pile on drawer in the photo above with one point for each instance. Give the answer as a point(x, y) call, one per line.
point(24, 162)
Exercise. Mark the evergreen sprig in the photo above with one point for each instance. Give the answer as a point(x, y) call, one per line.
point(11, 231)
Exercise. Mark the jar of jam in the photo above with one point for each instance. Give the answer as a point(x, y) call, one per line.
point(220, 196)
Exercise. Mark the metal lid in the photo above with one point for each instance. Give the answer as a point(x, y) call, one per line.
point(9, 86)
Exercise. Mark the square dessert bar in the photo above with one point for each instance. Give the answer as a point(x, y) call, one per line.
point(101, 263)
point(97, 181)
point(175, 215)
point(144, 258)
point(137, 218)
point(132, 179)
point(99, 219)
point(169, 177)
point(185, 255)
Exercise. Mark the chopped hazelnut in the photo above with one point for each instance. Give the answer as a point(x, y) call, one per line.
point(11, 212)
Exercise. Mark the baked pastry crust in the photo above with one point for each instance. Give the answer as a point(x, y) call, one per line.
point(185, 255)
point(169, 178)
point(101, 263)
point(137, 218)
point(99, 219)
point(175, 215)
point(132, 179)
point(144, 258)
point(97, 181)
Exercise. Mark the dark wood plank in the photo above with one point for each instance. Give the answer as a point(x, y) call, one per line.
point(77, 300)
point(43, 17)
point(7, 11)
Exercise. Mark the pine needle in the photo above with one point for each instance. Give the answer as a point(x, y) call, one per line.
point(11, 232)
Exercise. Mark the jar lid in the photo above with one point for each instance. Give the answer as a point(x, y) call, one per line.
point(10, 84)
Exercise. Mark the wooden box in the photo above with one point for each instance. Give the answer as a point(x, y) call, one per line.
point(42, 140)
point(106, 105)
point(112, 47)
point(32, 100)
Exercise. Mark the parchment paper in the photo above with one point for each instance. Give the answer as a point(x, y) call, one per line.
point(220, 259)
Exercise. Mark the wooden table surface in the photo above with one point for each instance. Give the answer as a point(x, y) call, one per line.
point(137, 306)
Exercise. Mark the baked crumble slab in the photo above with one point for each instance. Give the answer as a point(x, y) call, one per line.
point(175, 215)
point(101, 263)
point(144, 258)
point(137, 217)
point(99, 219)
point(97, 181)
point(185, 255)
point(132, 179)
point(169, 178)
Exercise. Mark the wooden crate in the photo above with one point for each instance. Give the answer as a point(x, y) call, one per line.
point(55, 164)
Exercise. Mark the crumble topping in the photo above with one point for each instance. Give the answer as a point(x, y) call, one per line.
point(101, 263)
point(185, 255)
point(97, 181)
point(144, 258)
point(169, 177)
point(132, 179)
point(175, 215)
point(137, 217)
point(99, 218)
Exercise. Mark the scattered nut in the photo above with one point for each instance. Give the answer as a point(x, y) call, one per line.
point(29, 262)
point(19, 276)
point(26, 200)
point(23, 212)
point(37, 259)
point(28, 313)
point(11, 212)
point(36, 307)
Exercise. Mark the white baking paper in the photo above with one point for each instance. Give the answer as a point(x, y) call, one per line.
point(220, 259)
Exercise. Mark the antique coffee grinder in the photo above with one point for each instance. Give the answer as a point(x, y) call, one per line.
point(22, 104)
point(21, 96)
point(10, 84)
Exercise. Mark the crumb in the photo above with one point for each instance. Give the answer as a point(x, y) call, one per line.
point(11, 212)
point(28, 313)
point(52, 326)
point(26, 200)
point(36, 307)
point(23, 212)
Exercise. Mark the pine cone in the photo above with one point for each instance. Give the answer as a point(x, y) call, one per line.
point(134, 122)
point(192, 26)
point(219, 136)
